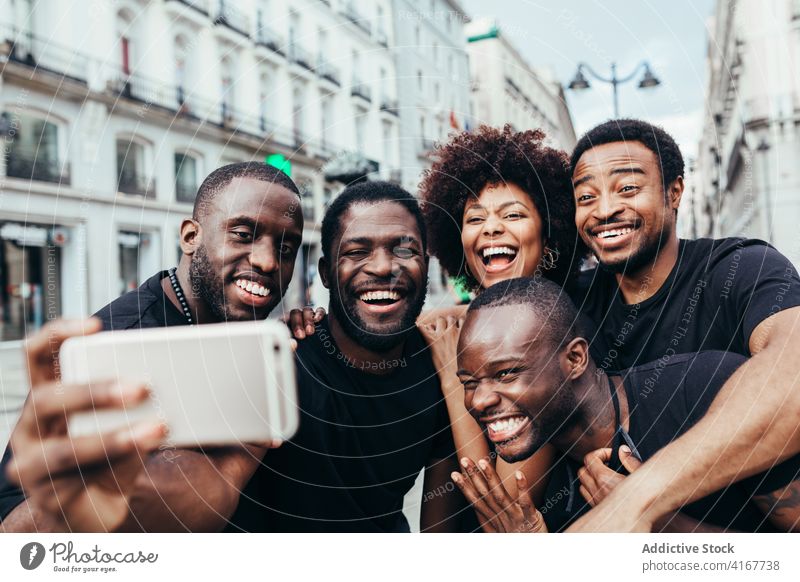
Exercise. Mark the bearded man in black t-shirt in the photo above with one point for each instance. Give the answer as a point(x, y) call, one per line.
point(372, 413)
point(529, 380)
point(239, 250)
point(654, 297)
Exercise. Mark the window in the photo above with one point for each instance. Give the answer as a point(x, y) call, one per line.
point(361, 130)
point(33, 150)
point(131, 175)
point(228, 96)
point(419, 81)
point(298, 121)
point(186, 172)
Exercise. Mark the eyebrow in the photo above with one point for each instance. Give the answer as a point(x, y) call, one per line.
point(514, 362)
point(365, 240)
point(503, 206)
point(614, 172)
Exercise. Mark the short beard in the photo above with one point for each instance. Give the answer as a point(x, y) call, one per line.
point(357, 330)
point(644, 256)
point(558, 416)
point(208, 284)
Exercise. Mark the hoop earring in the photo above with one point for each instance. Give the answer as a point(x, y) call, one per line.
point(549, 259)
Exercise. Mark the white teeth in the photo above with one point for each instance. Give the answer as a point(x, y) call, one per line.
point(380, 295)
point(614, 232)
point(506, 424)
point(489, 251)
point(251, 287)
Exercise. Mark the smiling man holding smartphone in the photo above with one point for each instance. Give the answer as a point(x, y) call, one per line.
point(239, 250)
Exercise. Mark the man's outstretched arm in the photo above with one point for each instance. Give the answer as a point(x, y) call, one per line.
point(750, 426)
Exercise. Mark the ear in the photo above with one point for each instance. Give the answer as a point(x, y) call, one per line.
point(191, 236)
point(322, 269)
point(675, 193)
point(574, 358)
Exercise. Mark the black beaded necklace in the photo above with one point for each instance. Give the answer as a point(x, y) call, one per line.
point(173, 279)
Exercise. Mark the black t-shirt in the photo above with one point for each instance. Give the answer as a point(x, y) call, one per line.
point(665, 402)
point(144, 307)
point(715, 296)
point(362, 441)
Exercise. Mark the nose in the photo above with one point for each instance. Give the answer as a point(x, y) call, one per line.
point(381, 264)
point(492, 226)
point(264, 255)
point(607, 206)
point(484, 398)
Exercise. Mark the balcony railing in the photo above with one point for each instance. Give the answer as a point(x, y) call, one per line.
point(270, 39)
point(131, 182)
point(25, 48)
point(328, 71)
point(230, 16)
point(390, 105)
point(148, 91)
point(200, 5)
point(352, 14)
point(30, 166)
point(300, 56)
point(361, 90)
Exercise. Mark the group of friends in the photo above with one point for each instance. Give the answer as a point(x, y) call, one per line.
point(607, 375)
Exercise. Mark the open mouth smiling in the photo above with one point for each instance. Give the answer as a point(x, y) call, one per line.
point(497, 258)
point(252, 287)
point(381, 300)
point(612, 234)
point(502, 430)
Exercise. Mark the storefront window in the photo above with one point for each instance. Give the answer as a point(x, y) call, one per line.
point(30, 277)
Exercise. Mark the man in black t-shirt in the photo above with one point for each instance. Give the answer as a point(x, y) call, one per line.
point(529, 380)
point(239, 251)
point(372, 413)
point(654, 297)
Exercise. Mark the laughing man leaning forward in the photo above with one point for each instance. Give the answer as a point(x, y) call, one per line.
point(655, 297)
point(371, 410)
point(239, 251)
point(529, 380)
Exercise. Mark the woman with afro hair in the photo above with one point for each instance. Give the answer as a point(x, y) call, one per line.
point(498, 205)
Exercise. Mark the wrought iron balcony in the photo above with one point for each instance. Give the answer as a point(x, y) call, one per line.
point(390, 105)
point(200, 5)
point(270, 39)
point(36, 166)
point(230, 16)
point(148, 91)
point(328, 71)
point(131, 182)
point(361, 90)
point(42, 54)
point(353, 15)
point(300, 56)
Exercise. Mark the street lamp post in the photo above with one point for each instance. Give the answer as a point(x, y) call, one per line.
point(647, 81)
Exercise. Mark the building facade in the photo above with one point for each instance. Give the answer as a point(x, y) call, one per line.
point(748, 180)
point(113, 112)
point(506, 89)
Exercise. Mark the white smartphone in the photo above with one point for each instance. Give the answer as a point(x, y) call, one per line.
point(213, 384)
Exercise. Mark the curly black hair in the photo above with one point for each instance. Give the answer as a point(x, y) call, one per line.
point(651, 136)
point(489, 156)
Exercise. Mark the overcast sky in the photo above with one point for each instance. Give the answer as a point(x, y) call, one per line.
point(671, 35)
